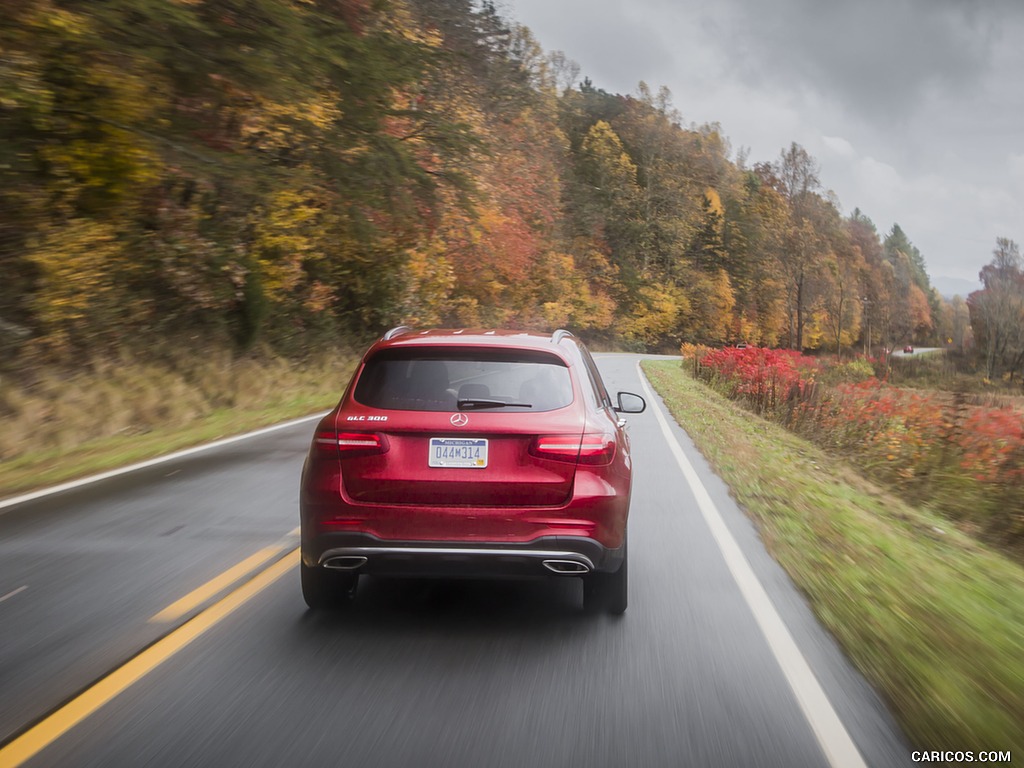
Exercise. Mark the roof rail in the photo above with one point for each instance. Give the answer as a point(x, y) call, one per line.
point(560, 334)
point(398, 330)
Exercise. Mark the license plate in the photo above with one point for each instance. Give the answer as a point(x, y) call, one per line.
point(462, 452)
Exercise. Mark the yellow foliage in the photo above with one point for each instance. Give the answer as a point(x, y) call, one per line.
point(430, 279)
point(656, 314)
point(101, 103)
point(709, 311)
point(400, 18)
point(266, 125)
point(491, 219)
point(816, 328)
point(288, 234)
point(81, 266)
point(571, 300)
point(467, 312)
point(612, 168)
point(772, 319)
point(746, 329)
point(556, 314)
point(118, 164)
point(599, 312)
point(714, 201)
point(722, 302)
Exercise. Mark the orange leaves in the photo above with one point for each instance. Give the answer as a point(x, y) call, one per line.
point(992, 440)
point(923, 442)
point(927, 433)
point(693, 352)
point(920, 312)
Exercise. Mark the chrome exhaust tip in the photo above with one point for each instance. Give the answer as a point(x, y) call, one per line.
point(566, 567)
point(345, 563)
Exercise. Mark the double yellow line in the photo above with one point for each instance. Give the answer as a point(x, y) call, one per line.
point(52, 727)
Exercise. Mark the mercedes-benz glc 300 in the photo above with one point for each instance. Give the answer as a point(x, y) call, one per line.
point(470, 453)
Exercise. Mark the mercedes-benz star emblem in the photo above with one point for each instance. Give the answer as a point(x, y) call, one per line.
point(459, 419)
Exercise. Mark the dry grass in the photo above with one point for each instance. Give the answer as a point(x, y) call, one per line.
point(64, 425)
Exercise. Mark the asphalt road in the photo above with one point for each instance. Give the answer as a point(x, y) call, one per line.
point(419, 673)
point(917, 351)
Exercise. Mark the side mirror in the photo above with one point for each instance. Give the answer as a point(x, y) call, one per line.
point(630, 403)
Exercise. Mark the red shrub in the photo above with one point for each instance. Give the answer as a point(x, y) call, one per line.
point(966, 459)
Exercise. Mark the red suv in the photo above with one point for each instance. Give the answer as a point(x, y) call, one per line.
point(470, 453)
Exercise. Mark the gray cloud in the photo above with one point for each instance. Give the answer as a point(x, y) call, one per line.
point(881, 57)
point(617, 40)
point(915, 108)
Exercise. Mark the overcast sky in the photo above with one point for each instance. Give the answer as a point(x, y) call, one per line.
point(914, 109)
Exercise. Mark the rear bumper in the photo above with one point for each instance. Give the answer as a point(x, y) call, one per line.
point(597, 510)
point(545, 556)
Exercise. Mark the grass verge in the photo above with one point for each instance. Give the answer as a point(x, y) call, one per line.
point(105, 419)
point(932, 618)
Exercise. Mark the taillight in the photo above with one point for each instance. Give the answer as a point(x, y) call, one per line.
point(594, 448)
point(350, 444)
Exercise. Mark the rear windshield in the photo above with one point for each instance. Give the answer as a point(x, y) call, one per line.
point(451, 380)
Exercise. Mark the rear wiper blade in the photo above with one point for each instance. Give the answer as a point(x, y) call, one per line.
point(470, 403)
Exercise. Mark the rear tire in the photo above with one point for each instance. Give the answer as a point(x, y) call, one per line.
point(323, 588)
point(607, 592)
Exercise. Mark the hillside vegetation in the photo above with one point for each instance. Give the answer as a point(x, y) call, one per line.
point(959, 454)
point(284, 172)
point(270, 180)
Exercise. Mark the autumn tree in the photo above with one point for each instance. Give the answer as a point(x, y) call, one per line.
point(845, 267)
point(911, 302)
point(612, 175)
point(754, 235)
point(710, 302)
point(668, 194)
point(997, 310)
point(796, 174)
point(874, 296)
point(958, 325)
point(707, 249)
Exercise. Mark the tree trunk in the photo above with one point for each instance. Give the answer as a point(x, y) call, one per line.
point(800, 315)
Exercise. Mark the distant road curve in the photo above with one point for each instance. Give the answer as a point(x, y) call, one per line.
point(917, 351)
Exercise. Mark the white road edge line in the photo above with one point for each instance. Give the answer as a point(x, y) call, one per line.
point(15, 592)
point(150, 462)
point(836, 743)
